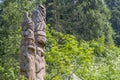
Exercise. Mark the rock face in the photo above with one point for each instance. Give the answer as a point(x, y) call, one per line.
point(32, 62)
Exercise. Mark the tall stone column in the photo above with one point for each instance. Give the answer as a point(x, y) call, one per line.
point(38, 18)
point(27, 52)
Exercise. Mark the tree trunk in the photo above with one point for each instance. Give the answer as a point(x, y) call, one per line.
point(32, 62)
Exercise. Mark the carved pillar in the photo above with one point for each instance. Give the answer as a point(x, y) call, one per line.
point(27, 52)
point(32, 64)
point(38, 18)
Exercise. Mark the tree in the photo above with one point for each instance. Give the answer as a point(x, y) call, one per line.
point(86, 19)
point(114, 6)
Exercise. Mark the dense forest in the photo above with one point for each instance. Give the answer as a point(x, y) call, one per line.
point(83, 38)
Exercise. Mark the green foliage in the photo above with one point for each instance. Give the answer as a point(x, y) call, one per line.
point(11, 16)
point(91, 60)
point(65, 56)
point(114, 6)
point(86, 19)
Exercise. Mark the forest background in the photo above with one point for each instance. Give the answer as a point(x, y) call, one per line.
point(83, 38)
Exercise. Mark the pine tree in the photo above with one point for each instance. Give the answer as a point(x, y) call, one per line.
point(87, 19)
point(114, 6)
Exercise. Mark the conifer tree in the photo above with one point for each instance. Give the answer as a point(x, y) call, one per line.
point(114, 6)
point(87, 19)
